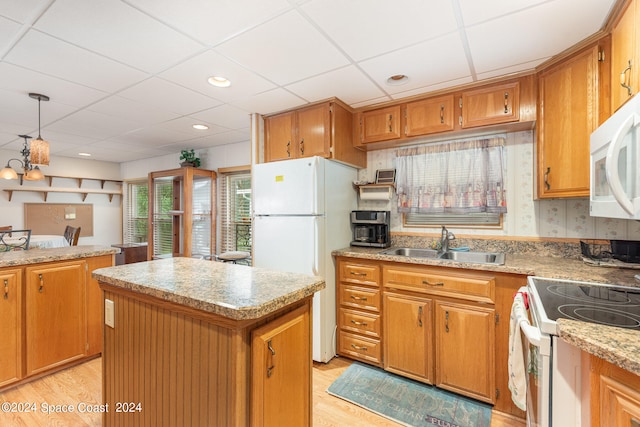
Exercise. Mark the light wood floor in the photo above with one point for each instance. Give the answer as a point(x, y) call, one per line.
point(82, 383)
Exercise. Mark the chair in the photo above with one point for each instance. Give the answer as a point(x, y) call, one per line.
point(71, 234)
point(14, 240)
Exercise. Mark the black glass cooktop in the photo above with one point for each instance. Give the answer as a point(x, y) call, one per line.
point(604, 304)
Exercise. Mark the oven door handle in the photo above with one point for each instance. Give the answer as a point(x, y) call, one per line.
point(531, 332)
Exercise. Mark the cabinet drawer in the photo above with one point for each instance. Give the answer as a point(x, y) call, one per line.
point(365, 274)
point(470, 286)
point(360, 347)
point(360, 322)
point(366, 298)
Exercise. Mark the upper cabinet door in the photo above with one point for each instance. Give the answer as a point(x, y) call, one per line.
point(280, 141)
point(625, 70)
point(380, 125)
point(428, 116)
point(314, 131)
point(491, 105)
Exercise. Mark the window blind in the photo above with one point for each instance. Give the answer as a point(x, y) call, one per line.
point(135, 212)
point(235, 212)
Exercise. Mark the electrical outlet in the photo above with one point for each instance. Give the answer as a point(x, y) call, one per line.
point(109, 313)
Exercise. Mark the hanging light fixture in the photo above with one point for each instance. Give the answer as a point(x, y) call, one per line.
point(30, 173)
point(39, 147)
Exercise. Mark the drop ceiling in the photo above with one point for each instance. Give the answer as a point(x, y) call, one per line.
point(127, 79)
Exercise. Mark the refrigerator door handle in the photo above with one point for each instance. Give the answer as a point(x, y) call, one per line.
point(316, 262)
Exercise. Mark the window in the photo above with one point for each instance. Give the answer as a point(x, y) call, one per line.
point(235, 212)
point(136, 212)
point(454, 183)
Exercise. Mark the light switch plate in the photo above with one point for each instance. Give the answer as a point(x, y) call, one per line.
point(109, 313)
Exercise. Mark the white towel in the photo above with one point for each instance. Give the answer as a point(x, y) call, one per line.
point(517, 369)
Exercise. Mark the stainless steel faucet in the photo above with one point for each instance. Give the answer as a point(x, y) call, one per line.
point(444, 240)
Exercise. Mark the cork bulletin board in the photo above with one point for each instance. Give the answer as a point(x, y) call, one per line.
point(52, 218)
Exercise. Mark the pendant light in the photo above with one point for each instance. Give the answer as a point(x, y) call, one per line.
point(30, 173)
point(39, 147)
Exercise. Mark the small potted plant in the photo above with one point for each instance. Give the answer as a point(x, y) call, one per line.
point(189, 158)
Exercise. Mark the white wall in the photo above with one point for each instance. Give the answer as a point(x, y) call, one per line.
point(107, 221)
point(526, 217)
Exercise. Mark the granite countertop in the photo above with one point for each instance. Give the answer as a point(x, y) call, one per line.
point(616, 345)
point(234, 291)
point(37, 255)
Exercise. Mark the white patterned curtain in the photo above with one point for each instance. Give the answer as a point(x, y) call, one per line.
point(457, 177)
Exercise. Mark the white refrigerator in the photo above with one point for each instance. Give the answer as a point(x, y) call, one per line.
point(301, 211)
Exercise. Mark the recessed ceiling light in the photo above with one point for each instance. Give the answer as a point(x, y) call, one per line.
point(219, 81)
point(200, 127)
point(397, 80)
point(84, 154)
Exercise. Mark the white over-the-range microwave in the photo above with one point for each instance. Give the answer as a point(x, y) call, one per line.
point(615, 164)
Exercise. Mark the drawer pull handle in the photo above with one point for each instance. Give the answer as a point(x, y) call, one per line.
point(635, 422)
point(420, 316)
point(506, 102)
point(353, 273)
point(623, 79)
point(446, 321)
point(41, 288)
point(358, 298)
point(288, 148)
point(6, 289)
point(273, 366)
point(359, 348)
point(359, 323)
point(441, 113)
point(428, 283)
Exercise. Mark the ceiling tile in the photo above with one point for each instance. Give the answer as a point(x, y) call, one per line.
point(194, 72)
point(270, 102)
point(426, 64)
point(285, 49)
point(226, 116)
point(349, 84)
point(8, 30)
point(139, 41)
point(168, 95)
point(365, 28)
point(117, 106)
point(93, 124)
point(213, 21)
point(566, 22)
point(22, 10)
point(474, 11)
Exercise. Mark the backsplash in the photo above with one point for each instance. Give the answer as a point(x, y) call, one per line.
point(526, 217)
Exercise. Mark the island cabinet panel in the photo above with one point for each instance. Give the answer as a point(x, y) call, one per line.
point(95, 304)
point(180, 366)
point(56, 328)
point(281, 371)
point(11, 322)
point(614, 394)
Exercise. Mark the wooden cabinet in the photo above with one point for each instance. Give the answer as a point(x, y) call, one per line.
point(55, 328)
point(324, 129)
point(465, 349)
point(408, 344)
point(502, 106)
point(429, 116)
point(11, 321)
point(182, 213)
point(281, 371)
point(359, 304)
point(382, 124)
point(615, 395)
point(625, 55)
point(568, 113)
point(52, 314)
point(459, 335)
point(490, 105)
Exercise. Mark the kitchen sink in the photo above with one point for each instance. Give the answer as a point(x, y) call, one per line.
point(477, 257)
point(458, 256)
point(411, 252)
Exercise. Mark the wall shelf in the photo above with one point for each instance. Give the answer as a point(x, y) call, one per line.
point(47, 190)
point(77, 178)
point(375, 191)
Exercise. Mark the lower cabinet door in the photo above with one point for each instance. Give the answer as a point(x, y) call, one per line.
point(281, 371)
point(56, 327)
point(11, 323)
point(408, 336)
point(465, 349)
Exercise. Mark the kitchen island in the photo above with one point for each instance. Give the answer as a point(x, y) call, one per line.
point(195, 342)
